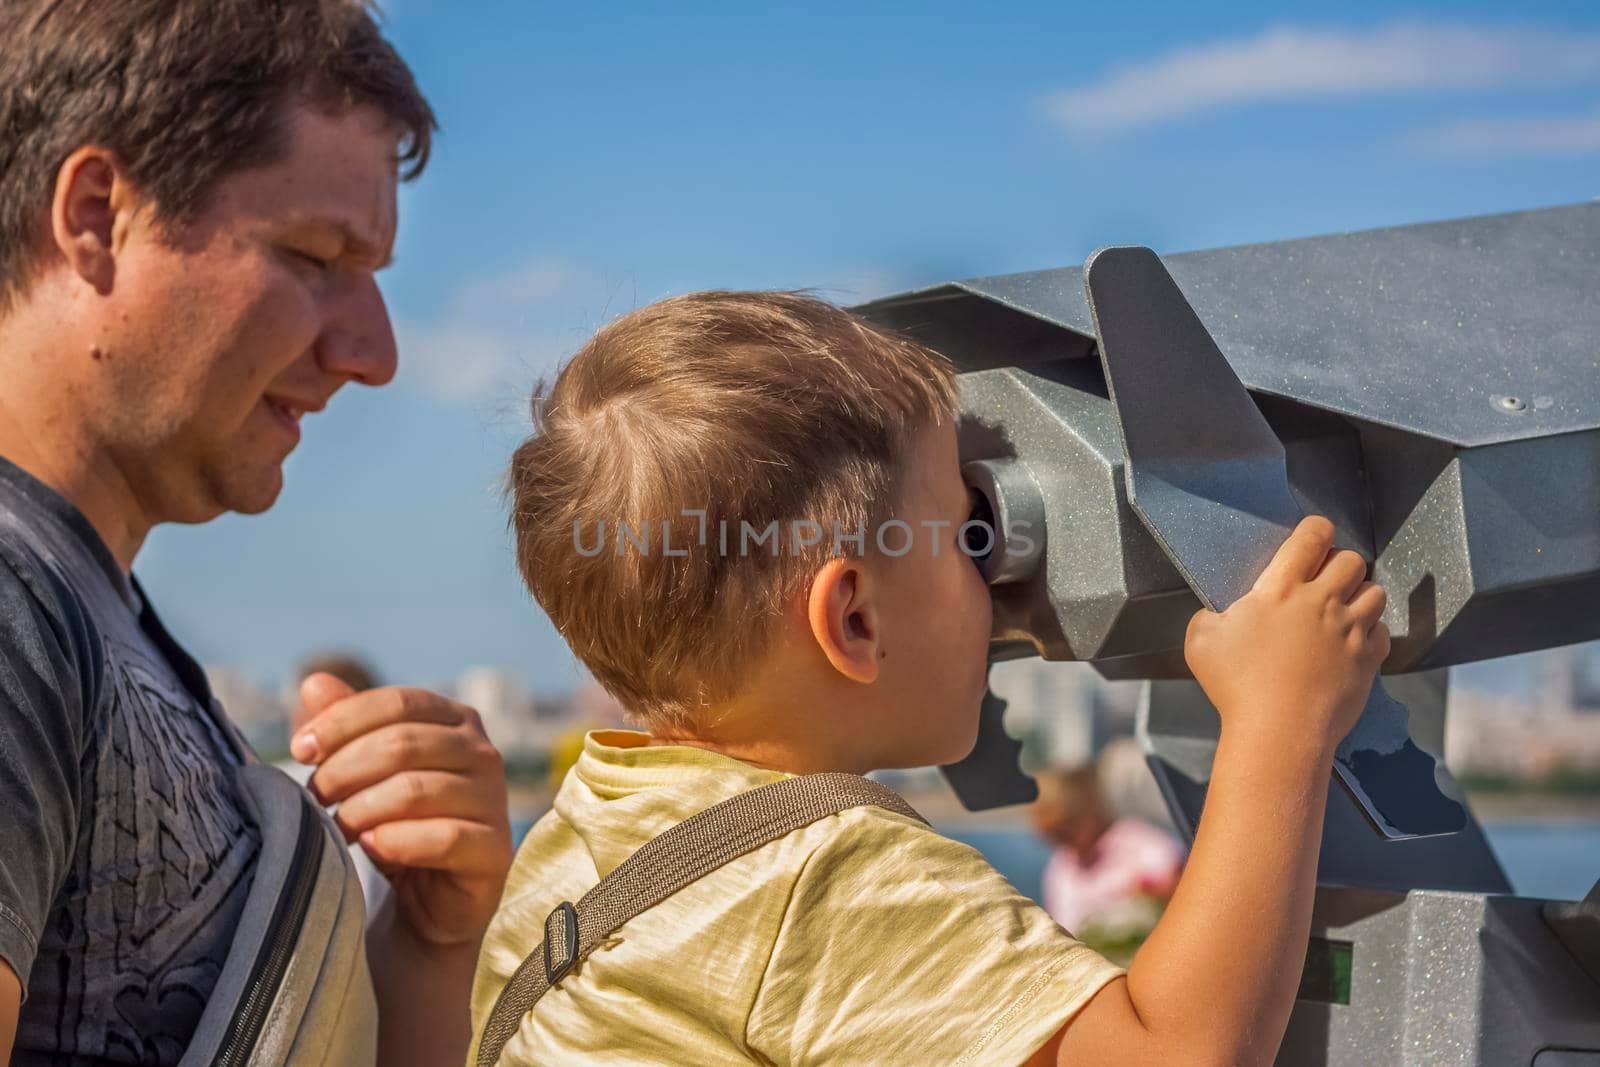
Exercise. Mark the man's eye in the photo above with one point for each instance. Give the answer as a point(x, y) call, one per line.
point(316, 263)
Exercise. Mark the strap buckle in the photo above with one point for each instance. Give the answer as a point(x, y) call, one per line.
point(560, 936)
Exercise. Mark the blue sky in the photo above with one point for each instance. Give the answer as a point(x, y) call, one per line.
point(596, 157)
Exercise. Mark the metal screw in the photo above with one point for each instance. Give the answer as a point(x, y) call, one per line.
point(1510, 403)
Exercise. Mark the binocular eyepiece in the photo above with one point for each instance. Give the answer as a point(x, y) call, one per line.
point(1073, 573)
point(1007, 506)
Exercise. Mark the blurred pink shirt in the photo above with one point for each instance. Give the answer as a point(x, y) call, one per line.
point(1131, 855)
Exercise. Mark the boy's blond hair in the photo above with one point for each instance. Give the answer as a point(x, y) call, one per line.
point(756, 408)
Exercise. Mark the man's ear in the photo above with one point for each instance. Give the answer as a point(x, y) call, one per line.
point(845, 619)
point(89, 215)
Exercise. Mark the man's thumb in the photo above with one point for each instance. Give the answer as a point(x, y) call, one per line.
point(317, 693)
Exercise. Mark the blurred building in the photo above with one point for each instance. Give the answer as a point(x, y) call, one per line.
point(1586, 678)
point(1514, 737)
point(518, 725)
point(596, 708)
point(1129, 786)
point(1064, 713)
point(257, 710)
point(1537, 717)
point(1550, 727)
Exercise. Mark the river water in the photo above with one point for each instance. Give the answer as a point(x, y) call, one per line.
point(1556, 860)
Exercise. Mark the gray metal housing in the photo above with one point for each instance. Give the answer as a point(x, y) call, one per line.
point(1437, 388)
point(1443, 978)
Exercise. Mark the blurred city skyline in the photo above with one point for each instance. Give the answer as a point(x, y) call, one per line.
point(1546, 736)
point(598, 158)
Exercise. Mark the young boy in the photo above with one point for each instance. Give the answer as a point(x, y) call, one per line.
point(856, 639)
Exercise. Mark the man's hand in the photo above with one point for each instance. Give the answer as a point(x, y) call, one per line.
point(1296, 656)
point(417, 782)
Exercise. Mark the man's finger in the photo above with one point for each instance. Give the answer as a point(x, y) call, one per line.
point(455, 845)
point(416, 795)
point(395, 749)
point(318, 692)
point(361, 713)
point(1300, 557)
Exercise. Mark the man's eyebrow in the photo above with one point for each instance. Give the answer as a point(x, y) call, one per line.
point(359, 247)
point(354, 245)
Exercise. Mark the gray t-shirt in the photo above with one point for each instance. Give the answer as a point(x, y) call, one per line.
point(125, 850)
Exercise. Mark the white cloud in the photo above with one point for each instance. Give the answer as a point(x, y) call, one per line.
point(495, 333)
point(534, 282)
point(1566, 135)
point(1298, 62)
point(455, 360)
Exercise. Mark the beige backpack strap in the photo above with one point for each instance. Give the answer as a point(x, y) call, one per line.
point(662, 866)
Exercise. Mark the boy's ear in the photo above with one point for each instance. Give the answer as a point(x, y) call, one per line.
point(93, 204)
point(845, 620)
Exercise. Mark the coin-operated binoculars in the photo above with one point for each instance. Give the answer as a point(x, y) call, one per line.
point(1144, 432)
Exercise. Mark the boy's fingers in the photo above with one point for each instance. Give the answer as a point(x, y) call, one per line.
point(1343, 574)
point(396, 749)
point(361, 713)
point(1300, 557)
point(1378, 641)
point(1367, 605)
point(1199, 624)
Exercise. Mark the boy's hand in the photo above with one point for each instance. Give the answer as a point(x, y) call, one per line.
point(420, 786)
point(1294, 658)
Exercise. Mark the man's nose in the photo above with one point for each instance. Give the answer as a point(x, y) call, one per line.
point(359, 341)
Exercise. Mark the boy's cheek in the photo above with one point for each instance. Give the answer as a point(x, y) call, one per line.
point(982, 630)
point(963, 745)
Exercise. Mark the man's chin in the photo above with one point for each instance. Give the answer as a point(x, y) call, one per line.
point(258, 500)
point(247, 493)
point(254, 507)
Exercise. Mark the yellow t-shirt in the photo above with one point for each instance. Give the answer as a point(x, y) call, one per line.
point(864, 938)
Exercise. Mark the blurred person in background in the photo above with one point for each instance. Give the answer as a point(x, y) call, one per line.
point(348, 667)
point(1108, 878)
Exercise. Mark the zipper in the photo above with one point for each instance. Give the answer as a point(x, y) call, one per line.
point(272, 960)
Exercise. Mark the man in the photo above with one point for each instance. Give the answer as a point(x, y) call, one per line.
point(195, 196)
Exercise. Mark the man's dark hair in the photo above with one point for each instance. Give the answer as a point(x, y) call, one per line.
point(184, 91)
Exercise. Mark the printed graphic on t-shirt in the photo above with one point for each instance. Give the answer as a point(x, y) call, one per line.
point(163, 864)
